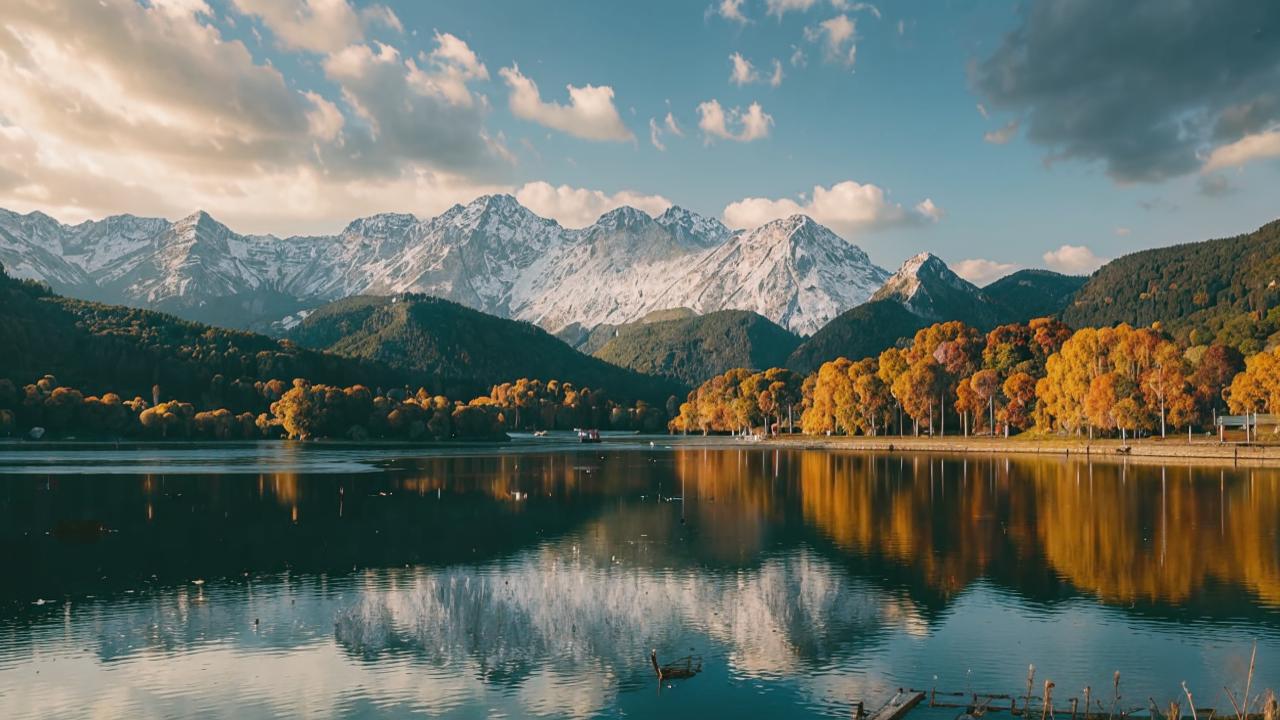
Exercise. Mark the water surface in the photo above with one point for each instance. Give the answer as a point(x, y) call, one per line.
point(532, 580)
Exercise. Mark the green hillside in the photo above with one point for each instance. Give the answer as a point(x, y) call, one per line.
point(1028, 294)
point(693, 349)
point(106, 348)
point(463, 350)
point(1220, 289)
point(860, 332)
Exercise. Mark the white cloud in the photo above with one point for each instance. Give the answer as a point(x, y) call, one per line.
point(929, 211)
point(452, 64)
point(655, 135)
point(797, 57)
point(776, 78)
point(673, 126)
point(732, 10)
point(838, 36)
point(1123, 231)
point(325, 120)
point(149, 109)
point(981, 272)
point(1073, 260)
point(1257, 146)
point(743, 71)
point(317, 25)
point(579, 207)
point(780, 7)
point(715, 122)
point(847, 207)
point(982, 110)
point(590, 114)
point(1003, 134)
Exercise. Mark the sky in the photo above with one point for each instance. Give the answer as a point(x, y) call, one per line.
point(997, 135)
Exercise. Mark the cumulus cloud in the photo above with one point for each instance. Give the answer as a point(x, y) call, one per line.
point(1258, 146)
point(716, 122)
point(776, 78)
point(1073, 260)
point(590, 114)
point(838, 37)
point(411, 114)
point(847, 207)
point(742, 72)
point(316, 25)
point(1150, 94)
point(982, 272)
point(579, 207)
point(732, 10)
point(1003, 134)
point(99, 99)
point(929, 211)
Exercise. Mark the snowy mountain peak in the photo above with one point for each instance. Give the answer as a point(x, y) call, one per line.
point(624, 217)
point(492, 254)
point(380, 225)
point(797, 231)
point(199, 221)
point(691, 229)
point(926, 286)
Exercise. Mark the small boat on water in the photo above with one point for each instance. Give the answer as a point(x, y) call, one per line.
point(589, 436)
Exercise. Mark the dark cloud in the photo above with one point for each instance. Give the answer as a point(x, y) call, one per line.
point(1145, 86)
point(1214, 186)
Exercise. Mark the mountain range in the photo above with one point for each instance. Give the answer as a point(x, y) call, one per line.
point(492, 255)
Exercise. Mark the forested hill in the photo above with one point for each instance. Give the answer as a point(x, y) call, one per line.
point(1205, 286)
point(863, 331)
point(464, 350)
point(695, 349)
point(1033, 293)
point(107, 348)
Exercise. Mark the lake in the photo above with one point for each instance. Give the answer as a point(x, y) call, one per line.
point(533, 579)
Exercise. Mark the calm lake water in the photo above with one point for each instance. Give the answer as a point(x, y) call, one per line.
point(272, 580)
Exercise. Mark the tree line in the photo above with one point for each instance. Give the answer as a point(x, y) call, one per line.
point(1040, 375)
point(303, 410)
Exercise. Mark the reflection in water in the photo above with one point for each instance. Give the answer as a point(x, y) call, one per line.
point(536, 583)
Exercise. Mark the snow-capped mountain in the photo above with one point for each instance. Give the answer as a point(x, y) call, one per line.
point(931, 290)
point(492, 254)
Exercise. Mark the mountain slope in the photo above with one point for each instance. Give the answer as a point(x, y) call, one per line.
point(924, 291)
point(463, 350)
point(103, 348)
point(493, 255)
point(864, 331)
point(928, 288)
point(1196, 285)
point(1027, 294)
point(694, 349)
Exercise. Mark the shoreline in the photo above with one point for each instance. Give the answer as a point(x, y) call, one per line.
point(1067, 448)
point(1146, 450)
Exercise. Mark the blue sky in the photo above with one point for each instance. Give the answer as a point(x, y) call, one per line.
point(1039, 133)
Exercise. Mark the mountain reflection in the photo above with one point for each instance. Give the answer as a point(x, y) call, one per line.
point(557, 607)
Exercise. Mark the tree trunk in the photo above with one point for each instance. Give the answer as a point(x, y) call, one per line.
point(1162, 435)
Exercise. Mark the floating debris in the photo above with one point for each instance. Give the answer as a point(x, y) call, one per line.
point(682, 669)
